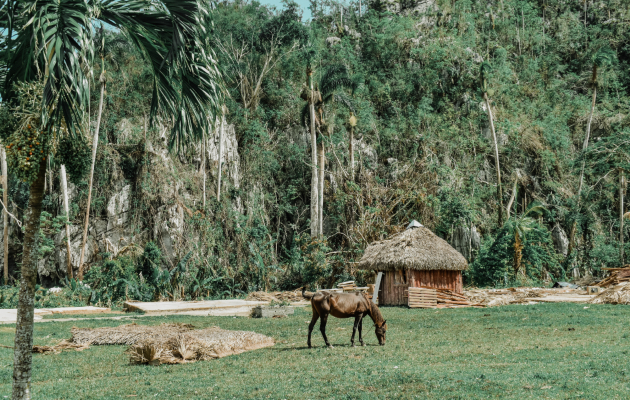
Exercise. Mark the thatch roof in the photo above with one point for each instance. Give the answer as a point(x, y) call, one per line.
point(415, 248)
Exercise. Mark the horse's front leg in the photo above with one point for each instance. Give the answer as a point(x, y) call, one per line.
point(361, 331)
point(357, 321)
point(322, 328)
point(311, 326)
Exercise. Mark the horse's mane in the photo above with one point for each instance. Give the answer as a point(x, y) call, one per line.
point(375, 313)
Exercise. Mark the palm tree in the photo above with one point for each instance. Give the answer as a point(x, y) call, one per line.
point(335, 78)
point(311, 96)
point(5, 216)
point(352, 123)
point(52, 41)
point(484, 70)
point(520, 227)
point(602, 58)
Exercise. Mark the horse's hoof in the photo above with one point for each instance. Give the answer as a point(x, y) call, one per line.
point(352, 345)
point(362, 344)
point(330, 346)
point(309, 346)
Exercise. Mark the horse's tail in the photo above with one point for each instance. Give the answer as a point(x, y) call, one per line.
point(307, 296)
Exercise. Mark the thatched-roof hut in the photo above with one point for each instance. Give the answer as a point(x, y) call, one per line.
point(415, 257)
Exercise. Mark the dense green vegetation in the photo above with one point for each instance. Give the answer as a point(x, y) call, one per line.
point(424, 147)
point(556, 351)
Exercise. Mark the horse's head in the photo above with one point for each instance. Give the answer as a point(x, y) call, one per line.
point(380, 331)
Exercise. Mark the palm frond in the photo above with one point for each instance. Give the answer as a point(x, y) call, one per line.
point(345, 100)
point(536, 210)
point(53, 43)
point(604, 57)
point(56, 41)
point(336, 77)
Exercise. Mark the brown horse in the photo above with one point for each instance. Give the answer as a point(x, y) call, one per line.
point(344, 305)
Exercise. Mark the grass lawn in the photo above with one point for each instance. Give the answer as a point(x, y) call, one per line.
point(546, 351)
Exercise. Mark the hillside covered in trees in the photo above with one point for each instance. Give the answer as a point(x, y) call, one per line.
point(503, 126)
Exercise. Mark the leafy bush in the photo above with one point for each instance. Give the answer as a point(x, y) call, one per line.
point(69, 296)
point(496, 257)
point(313, 252)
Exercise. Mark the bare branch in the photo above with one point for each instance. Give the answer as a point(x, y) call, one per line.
point(11, 215)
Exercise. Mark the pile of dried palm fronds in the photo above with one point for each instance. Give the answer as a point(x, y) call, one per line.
point(174, 343)
point(617, 276)
point(276, 296)
point(501, 297)
point(261, 296)
point(58, 348)
point(127, 334)
point(619, 294)
point(449, 299)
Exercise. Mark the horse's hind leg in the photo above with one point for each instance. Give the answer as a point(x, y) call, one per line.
point(357, 321)
point(322, 328)
point(311, 326)
point(361, 331)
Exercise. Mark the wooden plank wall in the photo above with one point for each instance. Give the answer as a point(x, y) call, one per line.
point(451, 280)
point(392, 292)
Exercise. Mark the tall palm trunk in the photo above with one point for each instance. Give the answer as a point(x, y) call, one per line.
point(5, 215)
point(351, 151)
point(314, 173)
point(518, 252)
point(64, 190)
point(588, 135)
point(584, 147)
point(322, 160)
point(89, 200)
point(221, 134)
point(621, 187)
point(23, 344)
point(496, 156)
point(203, 169)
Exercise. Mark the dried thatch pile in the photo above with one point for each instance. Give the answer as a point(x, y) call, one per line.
point(173, 343)
point(291, 296)
point(127, 334)
point(58, 348)
point(619, 294)
point(416, 248)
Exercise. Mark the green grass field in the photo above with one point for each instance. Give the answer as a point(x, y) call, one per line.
point(550, 351)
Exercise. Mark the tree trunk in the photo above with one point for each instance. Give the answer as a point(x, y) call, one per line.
point(584, 147)
point(203, 169)
point(5, 215)
point(351, 151)
point(50, 179)
point(321, 162)
point(586, 139)
point(509, 206)
point(94, 147)
point(496, 156)
point(64, 190)
point(221, 129)
point(23, 345)
point(621, 185)
point(518, 249)
point(314, 172)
